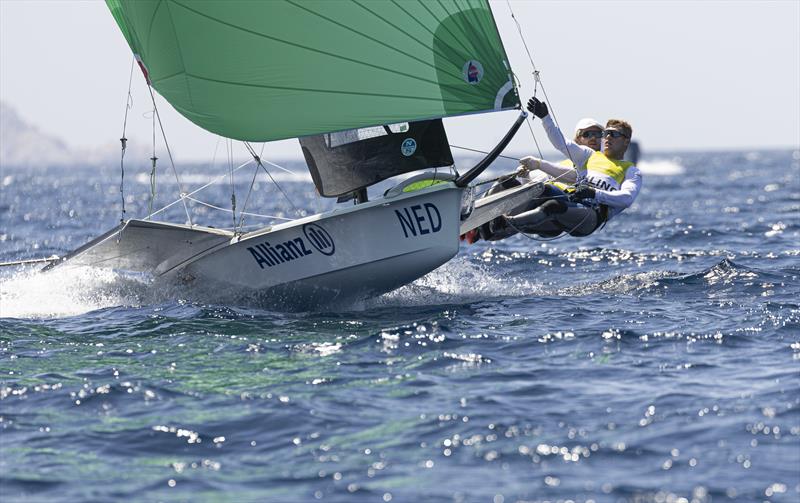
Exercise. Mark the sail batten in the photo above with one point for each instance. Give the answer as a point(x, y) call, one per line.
point(263, 71)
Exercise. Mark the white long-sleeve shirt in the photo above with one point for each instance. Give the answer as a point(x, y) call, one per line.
point(618, 200)
point(558, 172)
point(578, 154)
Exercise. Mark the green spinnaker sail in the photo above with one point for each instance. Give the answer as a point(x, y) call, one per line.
point(275, 69)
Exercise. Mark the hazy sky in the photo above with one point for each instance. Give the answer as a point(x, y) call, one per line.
point(689, 75)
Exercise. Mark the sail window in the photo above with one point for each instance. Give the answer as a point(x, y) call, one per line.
point(346, 161)
point(340, 138)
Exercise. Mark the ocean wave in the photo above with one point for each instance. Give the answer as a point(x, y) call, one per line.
point(462, 280)
point(722, 275)
point(728, 273)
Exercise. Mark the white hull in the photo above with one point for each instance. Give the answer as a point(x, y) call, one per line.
point(343, 255)
point(347, 254)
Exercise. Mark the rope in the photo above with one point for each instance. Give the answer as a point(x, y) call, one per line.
point(124, 142)
point(276, 165)
point(491, 180)
point(169, 153)
point(153, 160)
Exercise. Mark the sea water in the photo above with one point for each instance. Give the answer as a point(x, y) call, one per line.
point(657, 360)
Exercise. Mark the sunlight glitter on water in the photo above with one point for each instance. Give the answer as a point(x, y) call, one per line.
point(643, 363)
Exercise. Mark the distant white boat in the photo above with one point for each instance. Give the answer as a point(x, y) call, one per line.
point(661, 167)
point(655, 167)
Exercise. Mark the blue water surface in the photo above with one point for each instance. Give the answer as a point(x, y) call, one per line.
point(655, 361)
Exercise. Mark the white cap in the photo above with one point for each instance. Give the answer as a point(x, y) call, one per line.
point(586, 123)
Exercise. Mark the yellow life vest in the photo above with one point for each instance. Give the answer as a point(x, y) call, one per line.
point(604, 173)
point(565, 187)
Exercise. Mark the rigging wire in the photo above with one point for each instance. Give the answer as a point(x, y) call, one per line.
point(216, 150)
point(259, 162)
point(153, 160)
point(212, 182)
point(246, 200)
point(238, 229)
point(483, 152)
point(124, 142)
point(169, 154)
point(252, 183)
point(226, 210)
point(229, 145)
point(537, 81)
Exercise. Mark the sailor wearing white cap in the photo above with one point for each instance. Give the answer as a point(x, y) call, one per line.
point(604, 184)
point(587, 139)
point(585, 123)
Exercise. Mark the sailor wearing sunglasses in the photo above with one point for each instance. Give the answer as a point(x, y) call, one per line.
point(605, 186)
point(583, 191)
point(587, 140)
point(582, 194)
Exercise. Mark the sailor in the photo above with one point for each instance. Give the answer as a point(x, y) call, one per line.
point(583, 192)
point(587, 140)
point(605, 186)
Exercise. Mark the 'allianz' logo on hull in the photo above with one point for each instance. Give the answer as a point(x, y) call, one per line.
point(266, 254)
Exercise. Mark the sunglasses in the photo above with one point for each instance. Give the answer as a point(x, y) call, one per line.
point(591, 134)
point(613, 133)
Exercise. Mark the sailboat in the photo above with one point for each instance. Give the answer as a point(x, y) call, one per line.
point(364, 87)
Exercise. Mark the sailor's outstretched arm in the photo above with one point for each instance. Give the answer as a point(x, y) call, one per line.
point(626, 194)
point(578, 154)
point(560, 173)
